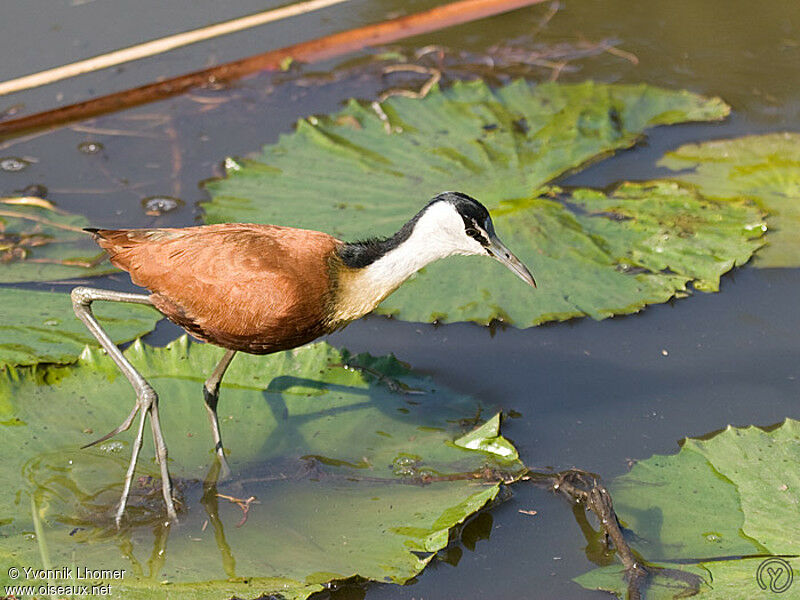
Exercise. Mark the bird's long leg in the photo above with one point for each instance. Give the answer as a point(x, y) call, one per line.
point(137, 446)
point(211, 396)
point(146, 397)
point(161, 456)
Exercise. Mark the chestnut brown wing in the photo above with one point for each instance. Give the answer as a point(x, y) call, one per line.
point(255, 288)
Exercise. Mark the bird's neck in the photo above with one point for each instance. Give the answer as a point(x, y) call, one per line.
point(373, 269)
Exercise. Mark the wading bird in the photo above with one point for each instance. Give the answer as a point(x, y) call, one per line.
point(264, 288)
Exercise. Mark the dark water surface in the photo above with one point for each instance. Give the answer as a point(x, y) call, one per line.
point(591, 394)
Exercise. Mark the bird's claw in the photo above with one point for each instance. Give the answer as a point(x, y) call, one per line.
point(124, 426)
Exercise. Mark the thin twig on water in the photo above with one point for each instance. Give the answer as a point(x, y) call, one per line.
point(244, 504)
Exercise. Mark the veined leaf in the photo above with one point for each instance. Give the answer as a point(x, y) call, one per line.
point(351, 459)
point(38, 326)
point(718, 509)
point(363, 172)
point(592, 255)
point(763, 168)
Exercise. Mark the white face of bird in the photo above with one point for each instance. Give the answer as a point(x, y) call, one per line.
point(442, 225)
point(458, 224)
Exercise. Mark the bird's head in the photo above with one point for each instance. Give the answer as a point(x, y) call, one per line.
point(463, 225)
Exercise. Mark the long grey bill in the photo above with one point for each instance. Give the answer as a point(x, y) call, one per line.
point(499, 251)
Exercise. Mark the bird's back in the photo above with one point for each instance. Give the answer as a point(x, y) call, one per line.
point(254, 288)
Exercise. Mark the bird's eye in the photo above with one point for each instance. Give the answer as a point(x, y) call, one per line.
point(471, 232)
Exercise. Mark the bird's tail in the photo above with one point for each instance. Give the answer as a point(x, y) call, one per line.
point(113, 241)
point(128, 247)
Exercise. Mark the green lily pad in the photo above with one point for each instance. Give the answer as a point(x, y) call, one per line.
point(717, 509)
point(359, 467)
point(358, 173)
point(39, 242)
point(764, 168)
point(38, 326)
point(640, 244)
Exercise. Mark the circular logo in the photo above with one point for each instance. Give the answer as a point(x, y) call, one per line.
point(775, 575)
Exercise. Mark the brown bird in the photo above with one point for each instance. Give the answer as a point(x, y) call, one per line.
point(265, 288)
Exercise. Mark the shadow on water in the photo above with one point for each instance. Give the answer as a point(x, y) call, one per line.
point(597, 395)
point(315, 462)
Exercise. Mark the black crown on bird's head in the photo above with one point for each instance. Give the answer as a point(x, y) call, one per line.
point(469, 208)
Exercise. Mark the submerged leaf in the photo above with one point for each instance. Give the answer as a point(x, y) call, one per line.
point(764, 168)
point(38, 326)
point(351, 476)
point(39, 242)
point(496, 145)
point(718, 509)
point(346, 175)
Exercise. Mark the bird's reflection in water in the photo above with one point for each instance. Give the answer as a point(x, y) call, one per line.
point(76, 505)
point(210, 502)
point(70, 501)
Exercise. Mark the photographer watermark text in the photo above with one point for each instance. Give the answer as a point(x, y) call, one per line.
point(62, 581)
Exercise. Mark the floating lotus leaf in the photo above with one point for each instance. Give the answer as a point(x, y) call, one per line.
point(717, 510)
point(363, 172)
point(592, 254)
point(764, 168)
point(39, 242)
point(358, 467)
point(38, 326)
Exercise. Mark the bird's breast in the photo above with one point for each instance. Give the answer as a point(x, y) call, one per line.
point(356, 293)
